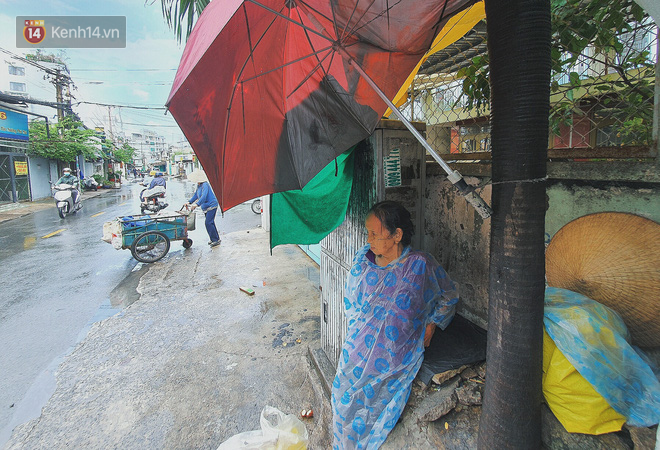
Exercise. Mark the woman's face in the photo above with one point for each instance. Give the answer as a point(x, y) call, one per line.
point(382, 243)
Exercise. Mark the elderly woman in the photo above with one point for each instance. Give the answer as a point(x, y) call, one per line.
point(205, 199)
point(394, 298)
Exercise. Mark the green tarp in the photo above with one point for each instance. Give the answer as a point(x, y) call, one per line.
point(307, 216)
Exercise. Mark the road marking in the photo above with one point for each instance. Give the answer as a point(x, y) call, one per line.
point(122, 204)
point(98, 214)
point(29, 242)
point(53, 233)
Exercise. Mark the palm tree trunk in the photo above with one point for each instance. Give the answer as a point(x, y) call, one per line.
point(519, 51)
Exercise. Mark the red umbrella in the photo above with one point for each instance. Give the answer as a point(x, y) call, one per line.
point(269, 92)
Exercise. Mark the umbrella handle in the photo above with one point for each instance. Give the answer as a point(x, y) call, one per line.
point(470, 195)
point(456, 178)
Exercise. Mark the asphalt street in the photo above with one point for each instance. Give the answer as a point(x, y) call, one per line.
point(58, 278)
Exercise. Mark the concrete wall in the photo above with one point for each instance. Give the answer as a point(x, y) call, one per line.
point(39, 176)
point(568, 201)
point(454, 233)
point(460, 239)
point(54, 173)
point(92, 168)
point(411, 174)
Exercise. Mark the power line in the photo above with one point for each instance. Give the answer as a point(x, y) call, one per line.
point(155, 115)
point(33, 63)
point(150, 125)
point(162, 108)
point(123, 70)
point(127, 83)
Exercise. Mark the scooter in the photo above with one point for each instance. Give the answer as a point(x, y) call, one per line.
point(151, 199)
point(64, 195)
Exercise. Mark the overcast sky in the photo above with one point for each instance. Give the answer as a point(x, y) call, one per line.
point(139, 75)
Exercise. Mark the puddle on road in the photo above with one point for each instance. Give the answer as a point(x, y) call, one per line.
point(44, 385)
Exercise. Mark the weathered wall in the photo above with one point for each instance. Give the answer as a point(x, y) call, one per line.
point(39, 176)
point(569, 200)
point(408, 191)
point(92, 168)
point(460, 240)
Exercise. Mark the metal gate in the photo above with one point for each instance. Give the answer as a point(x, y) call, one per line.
point(14, 179)
point(390, 164)
point(14, 172)
point(6, 185)
point(338, 248)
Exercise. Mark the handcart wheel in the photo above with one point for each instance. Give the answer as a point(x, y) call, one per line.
point(150, 246)
point(187, 243)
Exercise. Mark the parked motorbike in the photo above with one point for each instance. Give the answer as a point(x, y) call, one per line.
point(64, 199)
point(152, 199)
point(90, 184)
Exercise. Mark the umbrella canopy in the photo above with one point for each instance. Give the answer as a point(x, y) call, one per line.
point(267, 93)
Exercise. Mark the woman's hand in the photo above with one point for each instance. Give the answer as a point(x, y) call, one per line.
point(428, 334)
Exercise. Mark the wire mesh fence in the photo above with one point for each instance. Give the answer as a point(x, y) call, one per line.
point(604, 61)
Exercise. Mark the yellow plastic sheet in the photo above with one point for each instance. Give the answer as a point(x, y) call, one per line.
point(455, 29)
point(572, 399)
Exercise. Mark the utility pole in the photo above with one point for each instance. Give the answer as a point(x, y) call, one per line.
point(110, 136)
point(68, 96)
point(110, 124)
point(655, 145)
point(58, 96)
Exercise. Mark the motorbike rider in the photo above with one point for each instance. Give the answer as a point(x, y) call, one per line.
point(68, 178)
point(157, 181)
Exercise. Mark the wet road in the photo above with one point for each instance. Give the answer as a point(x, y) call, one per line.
point(57, 278)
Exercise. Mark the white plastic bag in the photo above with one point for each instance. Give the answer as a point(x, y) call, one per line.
point(112, 233)
point(190, 218)
point(279, 431)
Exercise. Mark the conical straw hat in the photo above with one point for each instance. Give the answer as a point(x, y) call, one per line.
point(613, 258)
point(198, 176)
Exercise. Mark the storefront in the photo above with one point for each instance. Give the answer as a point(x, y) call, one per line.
point(14, 171)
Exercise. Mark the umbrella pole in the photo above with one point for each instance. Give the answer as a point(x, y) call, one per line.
point(454, 176)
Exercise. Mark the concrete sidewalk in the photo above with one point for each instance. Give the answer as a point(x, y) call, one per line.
point(194, 360)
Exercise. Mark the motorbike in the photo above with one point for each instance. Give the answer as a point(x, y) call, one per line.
point(90, 184)
point(64, 199)
point(152, 199)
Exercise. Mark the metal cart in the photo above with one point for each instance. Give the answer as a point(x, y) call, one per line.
point(149, 237)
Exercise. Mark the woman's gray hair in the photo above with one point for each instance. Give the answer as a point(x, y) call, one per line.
point(394, 215)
